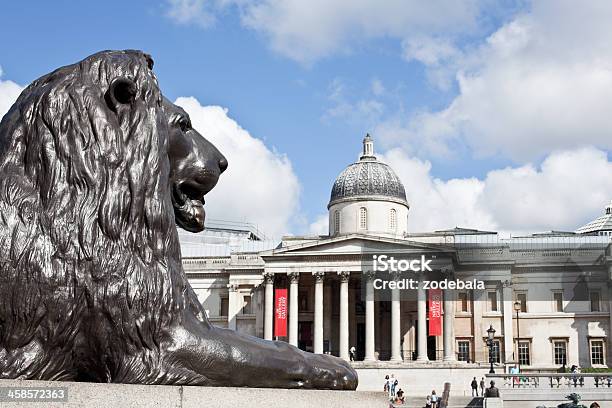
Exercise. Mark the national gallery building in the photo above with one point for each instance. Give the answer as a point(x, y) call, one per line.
point(547, 296)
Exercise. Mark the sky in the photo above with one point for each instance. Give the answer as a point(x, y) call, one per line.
point(495, 115)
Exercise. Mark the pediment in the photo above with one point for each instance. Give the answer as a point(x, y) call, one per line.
point(356, 244)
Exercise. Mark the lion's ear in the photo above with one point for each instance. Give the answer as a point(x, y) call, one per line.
point(122, 91)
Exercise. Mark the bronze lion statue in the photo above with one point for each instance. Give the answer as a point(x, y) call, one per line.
point(96, 170)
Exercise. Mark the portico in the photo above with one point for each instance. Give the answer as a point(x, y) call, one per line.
point(322, 278)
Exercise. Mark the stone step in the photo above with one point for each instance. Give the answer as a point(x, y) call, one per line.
point(465, 402)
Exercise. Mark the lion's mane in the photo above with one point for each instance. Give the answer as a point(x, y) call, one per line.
point(89, 253)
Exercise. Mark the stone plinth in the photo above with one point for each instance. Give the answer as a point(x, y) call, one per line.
point(91, 395)
point(493, 403)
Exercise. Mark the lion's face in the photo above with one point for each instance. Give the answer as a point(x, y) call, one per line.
point(195, 166)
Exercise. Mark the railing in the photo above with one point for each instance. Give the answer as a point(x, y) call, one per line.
point(554, 380)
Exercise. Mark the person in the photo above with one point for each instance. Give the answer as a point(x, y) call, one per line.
point(474, 387)
point(492, 391)
point(392, 386)
point(399, 396)
point(434, 399)
point(594, 405)
point(352, 353)
point(576, 370)
point(482, 386)
point(428, 402)
point(386, 387)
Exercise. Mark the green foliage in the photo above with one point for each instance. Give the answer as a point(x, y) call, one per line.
point(591, 370)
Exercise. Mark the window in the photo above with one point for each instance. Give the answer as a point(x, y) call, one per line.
point(463, 350)
point(303, 300)
point(595, 304)
point(496, 351)
point(492, 301)
point(522, 298)
point(524, 354)
point(224, 308)
point(247, 308)
point(336, 222)
point(560, 352)
point(463, 300)
point(558, 301)
point(393, 219)
point(363, 218)
point(597, 352)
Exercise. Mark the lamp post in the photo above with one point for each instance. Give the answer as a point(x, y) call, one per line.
point(517, 308)
point(491, 345)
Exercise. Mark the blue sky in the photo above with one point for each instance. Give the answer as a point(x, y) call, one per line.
point(449, 90)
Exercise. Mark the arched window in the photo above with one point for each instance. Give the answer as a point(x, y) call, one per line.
point(393, 219)
point(336, 222)
point(363, 218)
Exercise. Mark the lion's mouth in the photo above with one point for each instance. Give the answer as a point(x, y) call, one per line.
point(188, 206)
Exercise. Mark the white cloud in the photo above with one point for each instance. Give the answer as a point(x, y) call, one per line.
point(360, 110)
point(198, 12)
point(377, 86)
point(541, 82)
point(429, 50)
point(9, 91)
point(320, 226)
point(306, 31)
point(568, 189)
point(259, 185)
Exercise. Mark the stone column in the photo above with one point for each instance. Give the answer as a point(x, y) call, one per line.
point(508, 324)
point(449, 319)
point(269, 305)
point(422, 322)
point(344, 315)
point(369, 340)
point(318, 312)
point(294, 278)
point(232, 306)
point(396, 353)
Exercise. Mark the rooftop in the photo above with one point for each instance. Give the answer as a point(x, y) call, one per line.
point(602, 223)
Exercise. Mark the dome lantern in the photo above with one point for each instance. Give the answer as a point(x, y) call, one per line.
point(368, 147)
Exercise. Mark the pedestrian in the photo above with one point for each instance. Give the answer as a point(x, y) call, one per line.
point(594, 405)
point(352, 353)
point(474, 387)
point(392, 386)
point(399, 396)
point(482, 386)
point(386, 386)
point(428, 402)
point(434, 399)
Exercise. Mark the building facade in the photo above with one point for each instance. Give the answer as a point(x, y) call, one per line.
point(547, 296)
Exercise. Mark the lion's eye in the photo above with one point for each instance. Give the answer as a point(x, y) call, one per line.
point(184, 124)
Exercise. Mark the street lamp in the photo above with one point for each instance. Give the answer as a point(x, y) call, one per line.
point(517, 309)
point(491, 344)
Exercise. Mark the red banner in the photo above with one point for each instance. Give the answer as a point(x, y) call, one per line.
point(280, 312)
point(435, 312)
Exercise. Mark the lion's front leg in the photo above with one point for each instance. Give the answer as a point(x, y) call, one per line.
point(222, 357)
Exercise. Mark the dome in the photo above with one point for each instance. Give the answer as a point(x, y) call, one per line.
point(368, 179)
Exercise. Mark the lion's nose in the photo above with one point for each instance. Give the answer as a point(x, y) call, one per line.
point(222, 164)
